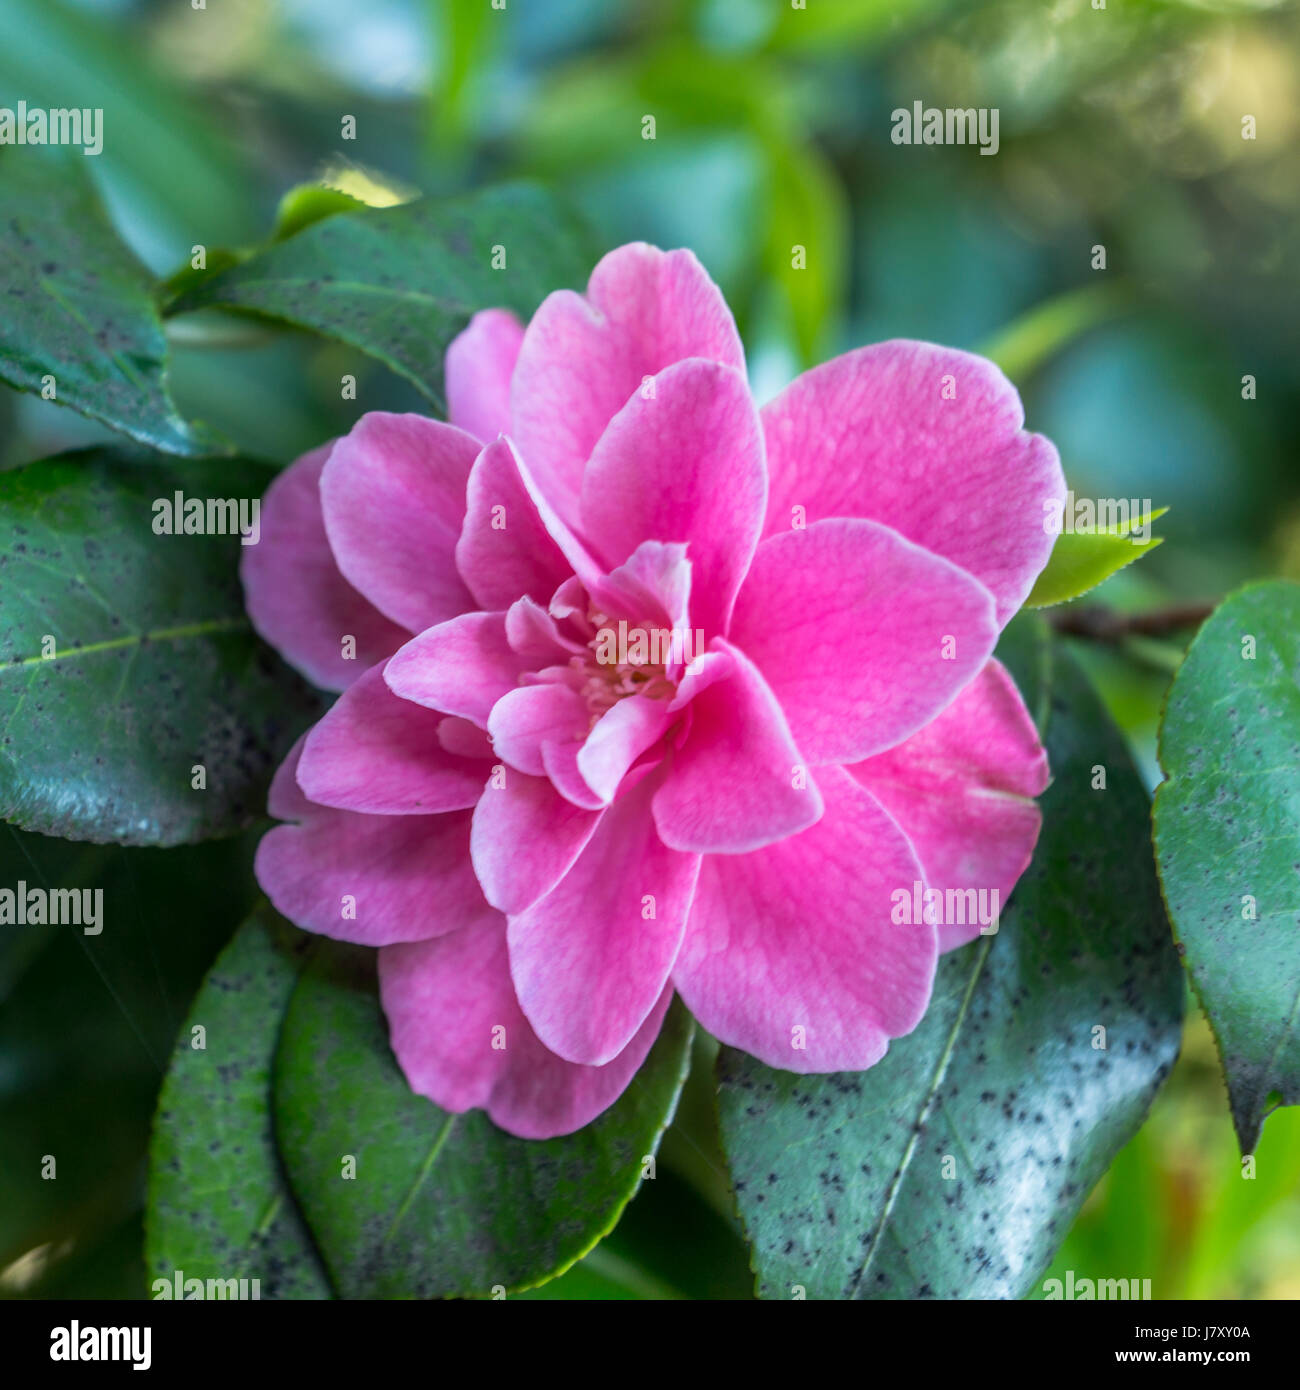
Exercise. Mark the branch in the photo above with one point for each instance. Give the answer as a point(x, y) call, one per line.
point(1097, 623)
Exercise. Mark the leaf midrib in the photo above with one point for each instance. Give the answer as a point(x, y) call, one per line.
point(162, 634)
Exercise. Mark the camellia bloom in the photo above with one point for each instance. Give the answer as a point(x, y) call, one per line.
point(647, 690)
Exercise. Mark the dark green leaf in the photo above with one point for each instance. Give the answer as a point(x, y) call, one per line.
point(399, 283)
point(154, 668)
point(87, 1022)
point(78, 315)
point(840, 1179)
point(1227, 823)
point(443, 1205)
point(219, 1205)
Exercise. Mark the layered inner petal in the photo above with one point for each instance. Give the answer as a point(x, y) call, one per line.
point(791, 953)
point(862, 636)
point(505, 550)
point(591, 958)
point(377, 753)
point(682, 461)
point(460, 667)
point(525, 838)
point(738, 781)
point(583, 356)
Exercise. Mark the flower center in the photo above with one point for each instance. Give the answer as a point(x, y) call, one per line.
point(625, 660)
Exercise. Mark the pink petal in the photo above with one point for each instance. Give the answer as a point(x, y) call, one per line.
point(368, 879)
point(297, 599)
point(560, 762)
point(619, 738)
point(530, 716)
point(962, 791)
point(683, 461)
point(588, 963)
point(739, 781)
point(791, 953)
point(862, 636)
point(393, 494)
point(462, 1040)
point(525, 839)
point(583, 357)
point(870, 434)
point(505, 550)
point(466, 740)
point(535, 635)
point(377, 753)
point(477, 370)
point(460, 667)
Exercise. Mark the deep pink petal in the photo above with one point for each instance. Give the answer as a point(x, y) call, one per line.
point(505, 550)
point(525, 838)
point(461, 1039)
point(739, 781)
point(583, 357)
point(393, 493)
point(459, 667)
point(528, 717)
point(791, 953)
point(297, 598)
point(618, 739)
point(863, 636)
point(962, 789)
point(871, 434)
point(683, 461)
point(375, 752)
point(590, 960)
point(368, 879)
point(477, 369)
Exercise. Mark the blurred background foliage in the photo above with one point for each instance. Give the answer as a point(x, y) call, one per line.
point(1120, 126)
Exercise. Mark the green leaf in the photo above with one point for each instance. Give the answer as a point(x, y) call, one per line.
point(1080, 560)
point(308, 203)
point(443, 1205)
point(1227, 834)
point(219, 1204)
point(87, 1022)
point(840, 1179)
point(399, 283)
point(1024, 345)
point(79, 310)
point(126, 658)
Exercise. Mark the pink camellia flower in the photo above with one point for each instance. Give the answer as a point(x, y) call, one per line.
point(645, 689)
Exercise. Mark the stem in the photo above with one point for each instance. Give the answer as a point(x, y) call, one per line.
point(1097, 623)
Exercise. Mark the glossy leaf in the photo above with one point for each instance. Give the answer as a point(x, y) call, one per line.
point(126, 658)
point(954, 1167)
point(399, 283)
point(219, 1204)
point(1227, 825)
point(79, 318)
point(443, 1205)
